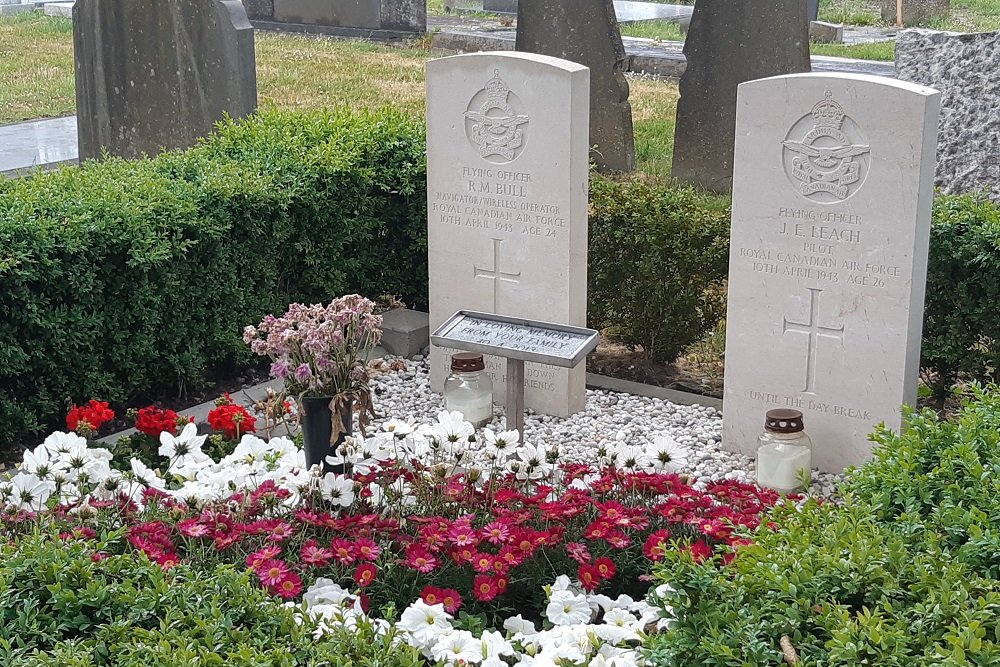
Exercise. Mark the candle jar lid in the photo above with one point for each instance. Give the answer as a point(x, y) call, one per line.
point(783, 420)
point(467, 362)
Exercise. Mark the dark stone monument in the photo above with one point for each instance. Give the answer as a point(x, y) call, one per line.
point(586, 32)
point(153, 75)
point(729, 43)
point(376, 19)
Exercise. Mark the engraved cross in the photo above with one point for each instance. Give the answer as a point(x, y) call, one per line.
point(495, 274)
point(814, 331)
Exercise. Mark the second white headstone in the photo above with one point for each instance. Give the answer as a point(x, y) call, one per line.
point(507, 182)
point(832, 192)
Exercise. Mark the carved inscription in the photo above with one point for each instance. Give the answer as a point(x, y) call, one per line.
point(821, 246)
point(850, 411)
point(498, 201)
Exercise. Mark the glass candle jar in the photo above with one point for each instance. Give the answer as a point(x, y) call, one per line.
point(784, 453)
point(469, 389)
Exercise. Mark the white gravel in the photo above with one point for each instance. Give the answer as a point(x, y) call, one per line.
point(407, 394)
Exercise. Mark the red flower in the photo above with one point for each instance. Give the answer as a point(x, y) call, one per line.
point(432, 595)
point(343, 550)
point(451, 600)
point(656, 545)
point(91, 416)
point(482, 563)
point(193, 528)
point(485, 588)
point(233, 420)
point(589, 576)
point(366, 549)
point(496, 532)
point(364, 574)
point(699, 551)
point(605, 568)
point(463, 535)
point(153, 420)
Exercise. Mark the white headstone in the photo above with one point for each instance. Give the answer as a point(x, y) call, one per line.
point(507, 203)
point(833, 183)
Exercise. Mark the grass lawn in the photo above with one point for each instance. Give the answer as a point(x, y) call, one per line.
point(293, 71)
point(966, 15)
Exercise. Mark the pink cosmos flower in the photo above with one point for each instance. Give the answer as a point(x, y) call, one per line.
point(366, 549)
point(193, 528)
point(578, 552)
point(260, 556)
point(271, 572)
point(343, 550)
point(421, 559)
point(496, 532)
point(315, 555)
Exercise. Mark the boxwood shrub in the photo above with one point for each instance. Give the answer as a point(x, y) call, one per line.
point(904, 573)
point(658, 257)
point(61, 607)
point(126, 277)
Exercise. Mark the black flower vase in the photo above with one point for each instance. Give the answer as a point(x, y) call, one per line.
point(317, 429)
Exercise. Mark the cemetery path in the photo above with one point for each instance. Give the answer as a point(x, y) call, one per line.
point(644, 56)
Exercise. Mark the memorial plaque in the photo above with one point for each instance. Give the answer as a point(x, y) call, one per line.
point(527, 340)
point(507, 203)
point(831, 220)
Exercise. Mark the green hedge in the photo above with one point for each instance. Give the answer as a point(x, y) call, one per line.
point(127, 277)
point(658, 257)
point(962, 308)
point(61, 608)
point(906, 573)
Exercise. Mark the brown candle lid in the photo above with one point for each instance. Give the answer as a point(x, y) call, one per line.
point(783, 420)
point(467, 362)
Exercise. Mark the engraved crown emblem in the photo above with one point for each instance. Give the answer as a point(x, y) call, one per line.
point(496, 89)
point(827, 113)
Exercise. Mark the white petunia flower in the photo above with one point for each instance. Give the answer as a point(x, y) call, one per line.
point(500, 446)
point(494, 644)
point(666, 455)
point(39, 461)
point(457, 646)
point(29, 492)
point(519, 627)
point(338, 489)
point(452, 427)
point(181, 449)
point(567, 608)
point(61, 442)
point(425, 623)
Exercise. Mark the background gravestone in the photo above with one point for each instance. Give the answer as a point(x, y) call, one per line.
point(828, 257)
point(586, 32)
point(152, 74)
point(965, 67)
point(507, 177)
point(916, 11)
point(729, 43)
